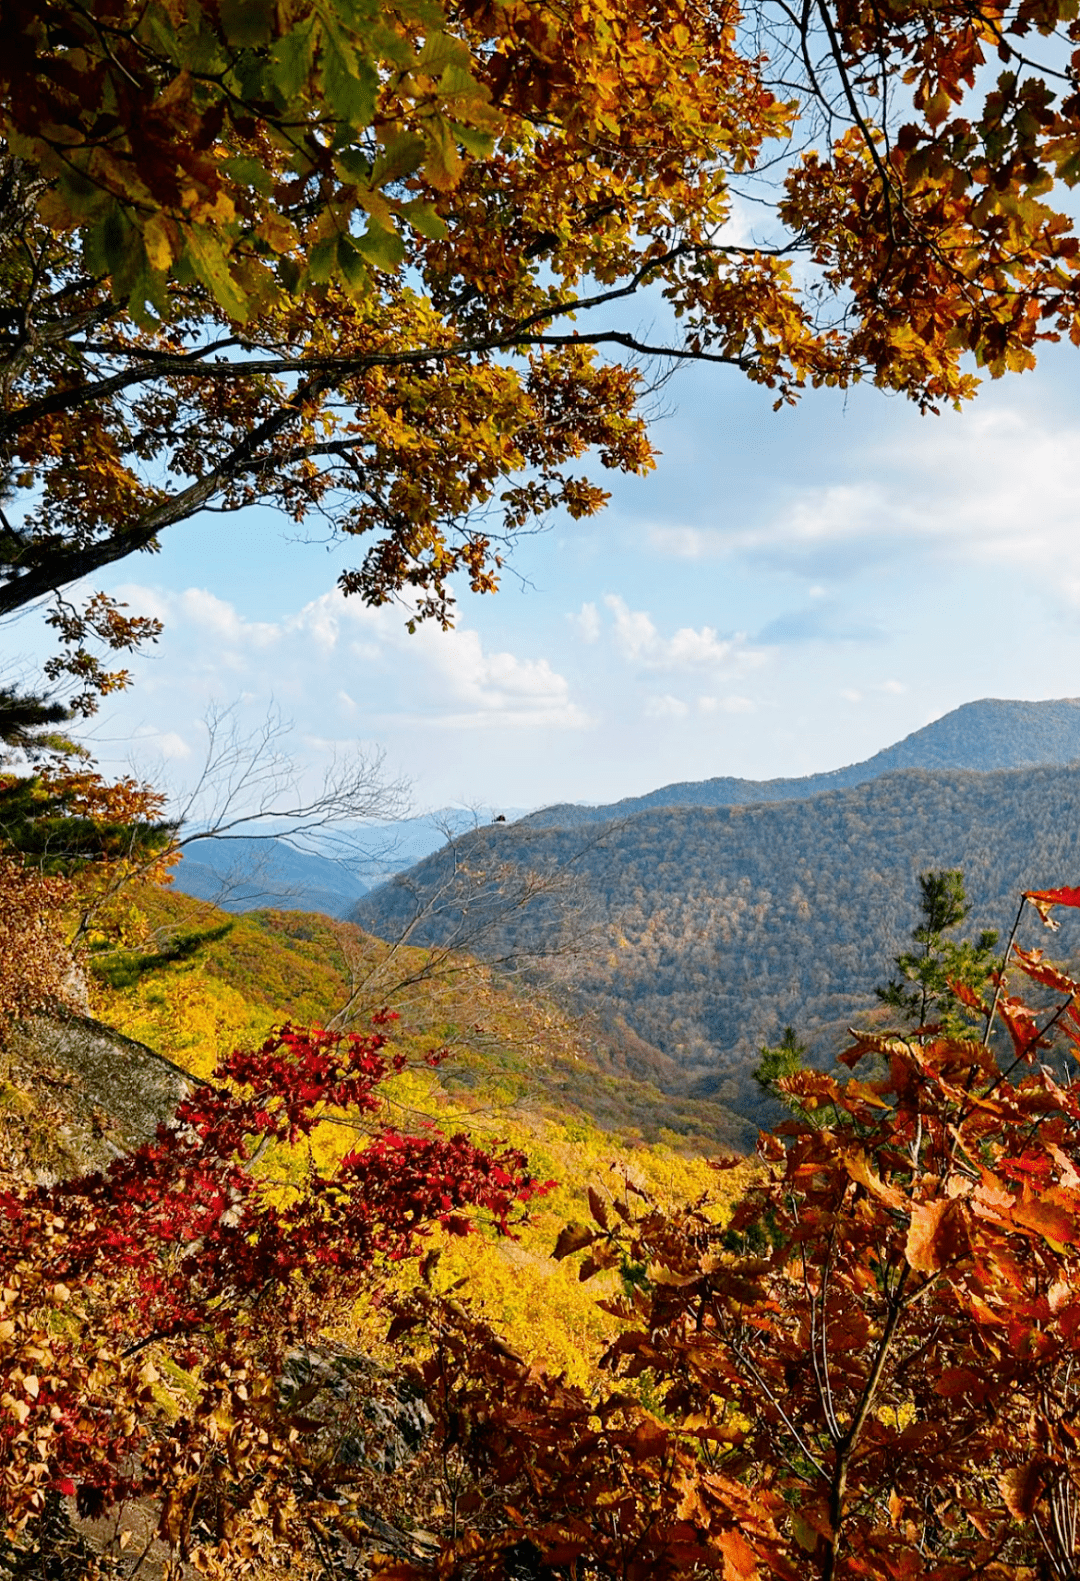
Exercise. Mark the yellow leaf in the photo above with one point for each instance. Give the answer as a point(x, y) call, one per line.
point(158, 243)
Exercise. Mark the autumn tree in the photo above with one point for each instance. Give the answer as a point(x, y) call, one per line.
point(35, 958)
point(373, 267)
point(885, 1385)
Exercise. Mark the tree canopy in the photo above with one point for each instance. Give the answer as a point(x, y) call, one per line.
point(371, 263)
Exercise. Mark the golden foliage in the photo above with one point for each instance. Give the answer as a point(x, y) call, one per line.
point(518, 1071)
point(36, 966)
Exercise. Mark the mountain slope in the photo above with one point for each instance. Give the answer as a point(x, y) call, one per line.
point(244, 872)
point(992, 733)
point(712, 928)
point(247, 872)
point(517, 1070)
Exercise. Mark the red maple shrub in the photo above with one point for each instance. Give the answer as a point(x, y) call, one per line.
point(147, 1313)
point(869, 1370)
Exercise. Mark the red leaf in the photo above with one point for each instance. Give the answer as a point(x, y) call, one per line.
point(1043, 899)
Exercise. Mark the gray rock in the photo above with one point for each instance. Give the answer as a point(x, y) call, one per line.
point(108, 1092)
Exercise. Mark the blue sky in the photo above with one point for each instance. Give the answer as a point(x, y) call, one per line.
point(788, 592)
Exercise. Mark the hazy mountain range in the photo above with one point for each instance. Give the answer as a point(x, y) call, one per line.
point(702, 918)
point(250, 872)
point(245, 873)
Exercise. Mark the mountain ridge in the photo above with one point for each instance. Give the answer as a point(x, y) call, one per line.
point(707, 930)
point(246, 873)
point(985, 735)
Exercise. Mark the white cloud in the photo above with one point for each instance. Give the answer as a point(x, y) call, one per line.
point(726, 705)
point(689, 543)
point(432, 678)
point(586, 622)
point(639, 642)
point(167, 744)
point(499, 688)
point(995, 486)
point(203, 609)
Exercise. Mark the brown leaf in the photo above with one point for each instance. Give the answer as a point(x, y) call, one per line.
point(572, 1238)
point(1021, 1488)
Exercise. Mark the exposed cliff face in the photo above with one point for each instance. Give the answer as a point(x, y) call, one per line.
point(92, 1093)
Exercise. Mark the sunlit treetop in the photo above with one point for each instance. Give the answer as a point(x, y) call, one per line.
point(385, 265)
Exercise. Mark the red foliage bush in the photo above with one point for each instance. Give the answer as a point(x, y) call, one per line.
point(146, 1313)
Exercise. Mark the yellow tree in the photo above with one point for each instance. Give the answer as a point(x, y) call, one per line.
point(371, 261)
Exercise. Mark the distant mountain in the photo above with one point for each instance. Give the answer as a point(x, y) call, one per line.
point(990, 734)
point(247, 872)
point(706, 930)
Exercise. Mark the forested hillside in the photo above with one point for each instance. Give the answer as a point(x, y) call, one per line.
point(511, 1052)
point(992, 733)
point(709, 929)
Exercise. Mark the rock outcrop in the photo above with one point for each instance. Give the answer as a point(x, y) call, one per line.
point(92, 1092)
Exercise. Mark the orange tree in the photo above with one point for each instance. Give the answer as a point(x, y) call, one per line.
point(373, 261)
point(871, 1371)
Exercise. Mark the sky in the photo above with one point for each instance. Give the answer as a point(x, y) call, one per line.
point(787, 593)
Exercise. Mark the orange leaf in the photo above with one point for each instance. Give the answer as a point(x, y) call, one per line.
point(1046, 1219)
point(740, 1563)
point(934, 1234)
point(858, 1167)
point(967, 995)
point(1032, 963)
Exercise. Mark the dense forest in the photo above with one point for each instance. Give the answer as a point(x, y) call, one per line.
point(707, 930)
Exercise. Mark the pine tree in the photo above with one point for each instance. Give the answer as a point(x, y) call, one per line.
point(923, 989)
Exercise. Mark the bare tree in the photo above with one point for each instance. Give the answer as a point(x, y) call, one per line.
point(467, 906)
point(250, 787)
